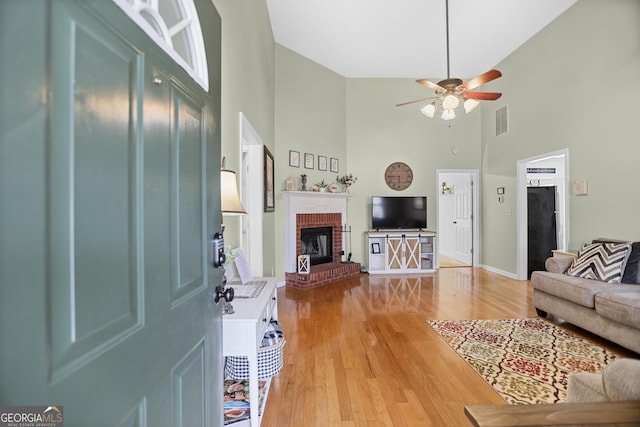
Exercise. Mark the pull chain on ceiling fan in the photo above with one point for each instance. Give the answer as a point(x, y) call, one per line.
point(450, 92)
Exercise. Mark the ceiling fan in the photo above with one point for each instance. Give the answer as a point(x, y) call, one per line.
point(451, 91)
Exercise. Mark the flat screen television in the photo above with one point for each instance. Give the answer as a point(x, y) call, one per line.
point(398, 212)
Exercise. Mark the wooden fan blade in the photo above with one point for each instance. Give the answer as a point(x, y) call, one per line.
point(480, 80)
point(483, 96)
point(431, 85)
point(416, 101)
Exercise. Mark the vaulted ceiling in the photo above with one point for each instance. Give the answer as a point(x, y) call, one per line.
point(407, 38)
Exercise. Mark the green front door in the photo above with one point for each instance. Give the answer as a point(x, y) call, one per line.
point(109, 193)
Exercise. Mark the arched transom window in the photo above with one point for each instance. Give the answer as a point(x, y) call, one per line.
point(174, 26)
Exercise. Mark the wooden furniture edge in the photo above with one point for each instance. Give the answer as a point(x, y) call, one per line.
point(556, 414)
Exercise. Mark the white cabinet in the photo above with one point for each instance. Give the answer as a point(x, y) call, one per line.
point(402, 252)
point(242, 334)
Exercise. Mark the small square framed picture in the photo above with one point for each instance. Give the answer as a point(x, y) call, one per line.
point(308, 161)
point(294, 158)
point(375, 248)
point(334, 165)
point(322, 163)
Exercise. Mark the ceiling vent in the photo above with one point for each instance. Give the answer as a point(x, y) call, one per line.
point(502, 122)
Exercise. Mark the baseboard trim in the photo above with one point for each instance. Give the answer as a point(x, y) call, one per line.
point(500, 272)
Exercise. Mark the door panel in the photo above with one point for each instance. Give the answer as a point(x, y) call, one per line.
point(462, 220)
point(189, 388)
point(187, 184)
point(412, 253)
point(105, 282)
point(394, 253)
point(95, 245)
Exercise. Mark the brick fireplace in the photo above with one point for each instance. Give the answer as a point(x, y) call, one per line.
point(332, 220)
point(308, 210)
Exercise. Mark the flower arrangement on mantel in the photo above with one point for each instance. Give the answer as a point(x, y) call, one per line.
point(347, 181)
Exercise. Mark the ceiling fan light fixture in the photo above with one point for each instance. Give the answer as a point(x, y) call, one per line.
point(429, 110)
point(448, 115)
point(450, 102)
point(450, 92)
point(470, 105)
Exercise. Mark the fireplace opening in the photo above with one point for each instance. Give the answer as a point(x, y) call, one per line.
point(317, 242)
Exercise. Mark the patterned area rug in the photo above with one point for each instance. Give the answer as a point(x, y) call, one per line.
point(524, 360)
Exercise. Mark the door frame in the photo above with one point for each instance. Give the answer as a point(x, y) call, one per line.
point(521, 207)
point(475, 220)
point(252, 184)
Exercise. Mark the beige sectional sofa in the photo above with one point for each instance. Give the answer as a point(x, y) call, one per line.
point(611, 311)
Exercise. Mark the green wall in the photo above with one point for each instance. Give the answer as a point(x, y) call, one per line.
point(570, 86)
point(248, 86)
point(310, 118)
point(379, 133)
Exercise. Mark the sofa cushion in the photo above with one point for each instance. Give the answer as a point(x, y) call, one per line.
point(586, 387)
point(621, 380)
point(574, 289)
point(632, 269)
point(604, 262)
point(631, 273)
point(622, 307)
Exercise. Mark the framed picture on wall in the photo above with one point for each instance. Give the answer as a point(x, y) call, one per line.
point(308, 161)
point(334, 165)
point(269, 191)
point(294, 158)
point(322, 163)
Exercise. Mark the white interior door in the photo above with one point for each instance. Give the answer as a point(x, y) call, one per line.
point(456, 219)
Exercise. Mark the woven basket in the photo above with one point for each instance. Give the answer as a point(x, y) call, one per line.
point(270, 362)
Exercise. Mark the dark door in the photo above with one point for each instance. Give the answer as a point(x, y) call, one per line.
point(109, 189)
point(541, 220)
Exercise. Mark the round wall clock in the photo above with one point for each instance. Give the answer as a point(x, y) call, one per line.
point(398, 176)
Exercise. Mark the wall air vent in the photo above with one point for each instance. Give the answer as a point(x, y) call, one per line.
point(502, 122)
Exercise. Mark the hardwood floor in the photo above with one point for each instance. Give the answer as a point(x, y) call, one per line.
point(359, 351)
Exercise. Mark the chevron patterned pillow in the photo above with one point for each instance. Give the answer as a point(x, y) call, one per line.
point(601, 261)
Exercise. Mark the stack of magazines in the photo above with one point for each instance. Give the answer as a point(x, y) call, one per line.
point(236, 400)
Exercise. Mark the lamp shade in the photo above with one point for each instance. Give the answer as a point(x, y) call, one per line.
point(448, 115)
point(230, 201)
point(470, 105)
point(429, 109)
point(450, 102)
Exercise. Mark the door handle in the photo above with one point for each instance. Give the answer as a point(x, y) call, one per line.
point(222, 293)
point(455, 222)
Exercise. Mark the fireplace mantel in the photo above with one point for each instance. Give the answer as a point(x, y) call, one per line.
point(308, 202)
